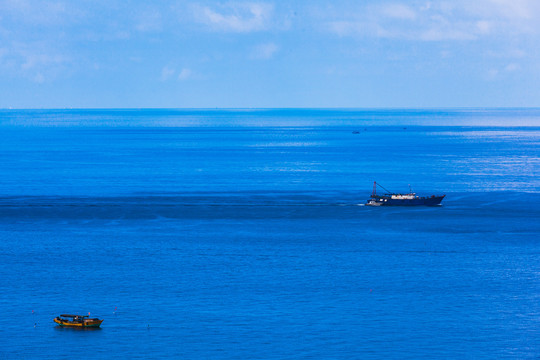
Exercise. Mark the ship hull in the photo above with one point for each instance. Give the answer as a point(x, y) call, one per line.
point(85, 324)
point(421, 201)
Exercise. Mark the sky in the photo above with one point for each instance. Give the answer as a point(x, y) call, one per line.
point(267, 54)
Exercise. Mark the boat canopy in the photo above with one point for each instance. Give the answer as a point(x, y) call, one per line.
point(73, 316)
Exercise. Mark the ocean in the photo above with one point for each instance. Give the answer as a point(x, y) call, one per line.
point(242, 234)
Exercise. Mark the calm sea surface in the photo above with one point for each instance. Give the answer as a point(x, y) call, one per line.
point(241, 234)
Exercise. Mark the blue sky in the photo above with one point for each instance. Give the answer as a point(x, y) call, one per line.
point(342, 53)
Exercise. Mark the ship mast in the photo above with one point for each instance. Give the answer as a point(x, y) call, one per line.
point(382, 187)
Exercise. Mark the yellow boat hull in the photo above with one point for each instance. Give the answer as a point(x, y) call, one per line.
point(84, 324)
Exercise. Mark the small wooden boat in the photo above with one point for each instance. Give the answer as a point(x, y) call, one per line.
point(82, 321)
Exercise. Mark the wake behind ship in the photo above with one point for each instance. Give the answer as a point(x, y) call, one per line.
point(410, 199)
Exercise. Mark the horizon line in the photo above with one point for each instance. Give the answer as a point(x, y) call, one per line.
point(285, 108)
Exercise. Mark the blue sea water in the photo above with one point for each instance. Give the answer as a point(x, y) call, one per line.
point(227, 234)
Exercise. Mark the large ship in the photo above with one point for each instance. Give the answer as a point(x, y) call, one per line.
point(410, 199)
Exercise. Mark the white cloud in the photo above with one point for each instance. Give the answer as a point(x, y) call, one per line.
point(149, 20)
point(264, 51)
point(39, 78)
point(35, 61)
point(498, 73)
point(437, 20)
point(398, 11)
point(49, 13)
point(512, 67)
point(484, 26)
point(491, 74)
point(512, 9)
point(443, 32)
point(236, 17)
point(184, 74)
point(167, 73)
